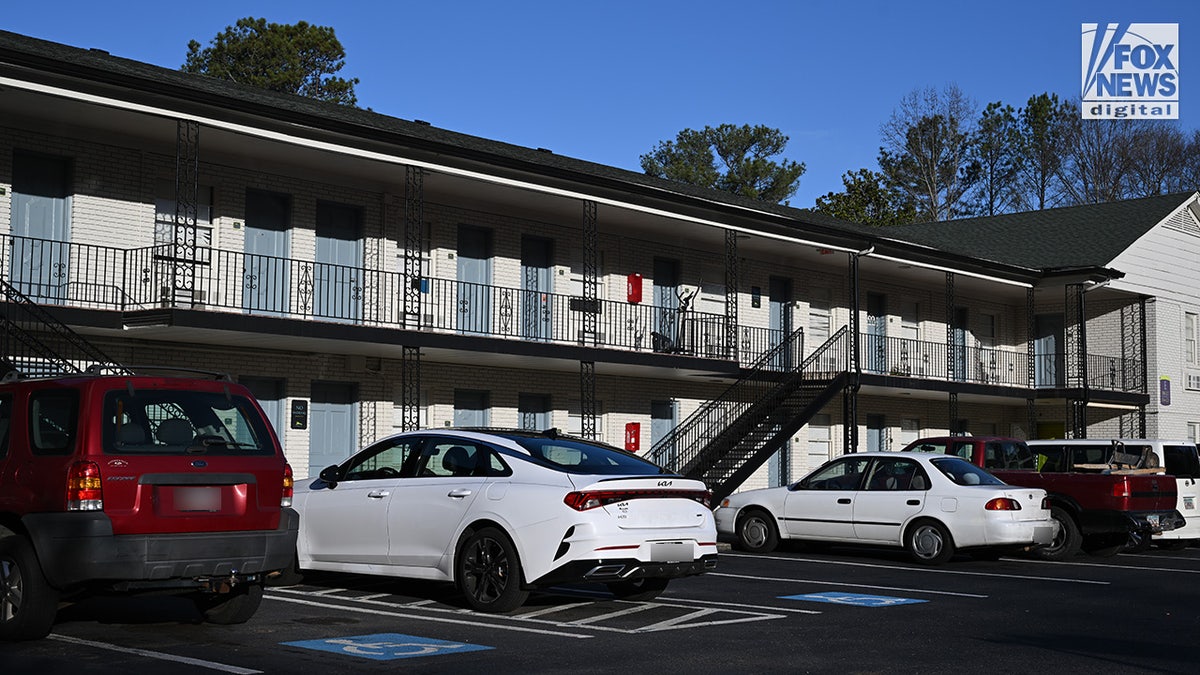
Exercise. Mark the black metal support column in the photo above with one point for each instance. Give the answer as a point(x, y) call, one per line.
point(187, 187)
point(951, 350)
point(1076, 360)
point(587, 398)
point(731, 294)
point(1031, 415)
point(1030, 340)
point(410, 388)
point(850, 394)
point(591, 271)
point(414, 225)
point(952, 412)
point(591, 295)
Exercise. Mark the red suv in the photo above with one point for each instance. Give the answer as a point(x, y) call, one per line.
point(137, 483)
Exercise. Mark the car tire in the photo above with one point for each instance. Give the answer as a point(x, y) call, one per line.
point(488, 572)
point(928, 542)
point(234, 607)
point(1068, 541)
point(646, 588)
point(756, 532)
point(1174, 544)
point(28, 604)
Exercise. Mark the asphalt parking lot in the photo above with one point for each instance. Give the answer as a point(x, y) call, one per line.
point(796, 610)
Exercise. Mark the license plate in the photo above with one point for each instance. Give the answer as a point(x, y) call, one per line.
point(205, 499)
point(1189, 503)
point(670, 551)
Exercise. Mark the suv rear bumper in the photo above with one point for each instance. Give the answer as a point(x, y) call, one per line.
point(77, 548)
point(1125, 522)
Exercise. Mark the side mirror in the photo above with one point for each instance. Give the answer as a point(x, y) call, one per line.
point(331, 475)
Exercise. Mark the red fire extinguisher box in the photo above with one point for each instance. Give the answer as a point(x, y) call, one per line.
point(633, 436)
point(633, 287)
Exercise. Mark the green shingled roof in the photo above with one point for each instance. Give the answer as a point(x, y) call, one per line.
point(1076, 236)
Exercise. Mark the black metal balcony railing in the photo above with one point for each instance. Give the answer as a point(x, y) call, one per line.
point(105, 277)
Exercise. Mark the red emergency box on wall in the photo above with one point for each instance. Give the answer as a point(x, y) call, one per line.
point(633, 287)
point(633, 436)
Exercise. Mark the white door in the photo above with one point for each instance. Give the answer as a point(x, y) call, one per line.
point(427, 509)
point(822, 505)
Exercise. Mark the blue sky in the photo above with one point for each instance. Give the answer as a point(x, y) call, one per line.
point(606, 80)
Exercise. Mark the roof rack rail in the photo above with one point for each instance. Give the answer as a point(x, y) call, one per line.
point(101, 368)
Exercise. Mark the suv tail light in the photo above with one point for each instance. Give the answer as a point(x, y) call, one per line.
point(84, 492)
point(289, 484)
point(590, 499)
point(1002, 504)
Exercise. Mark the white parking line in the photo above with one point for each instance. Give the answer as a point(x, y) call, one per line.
point(421, 617)
point(836, 583)
point(211, 665)
point(930, 570)
point(741, 605)
point(1111, 566)
point(633, 609)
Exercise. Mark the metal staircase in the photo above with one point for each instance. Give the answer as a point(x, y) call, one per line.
point(33, 343)
point(731, 436)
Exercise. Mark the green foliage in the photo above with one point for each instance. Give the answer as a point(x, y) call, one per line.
point(730, 158)
point(290, 58)
point(997, 160)
point(867, 201)
point(1043, 125)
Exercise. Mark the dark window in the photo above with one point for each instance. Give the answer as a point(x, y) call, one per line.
point(451, 457)
point(178, 421)
point(1182, 460)
point(578, 456)
point(53, 419)
point(389, 458)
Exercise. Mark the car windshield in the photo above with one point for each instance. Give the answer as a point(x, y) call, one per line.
point(177, 421)
point(578, 456)
point(963, 472)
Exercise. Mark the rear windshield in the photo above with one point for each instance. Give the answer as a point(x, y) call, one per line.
point(963, 472)
point(175, 422)
point(576, 456)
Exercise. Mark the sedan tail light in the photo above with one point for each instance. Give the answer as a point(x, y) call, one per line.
point(1002, 504)
point(590, 499)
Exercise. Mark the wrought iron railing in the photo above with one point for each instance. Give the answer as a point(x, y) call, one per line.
point(106, 277)
point(684, 444)
point(33, 342)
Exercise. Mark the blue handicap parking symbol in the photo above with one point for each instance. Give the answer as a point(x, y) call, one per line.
point(387, 646)
point(856, 599)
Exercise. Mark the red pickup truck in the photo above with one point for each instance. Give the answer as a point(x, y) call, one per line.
point(1098, 512)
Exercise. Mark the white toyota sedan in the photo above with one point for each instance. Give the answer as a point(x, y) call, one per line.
point(932, 505)
point(502, 512)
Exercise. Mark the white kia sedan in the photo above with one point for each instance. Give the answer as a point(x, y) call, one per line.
point(502, 512)
point(932, 505)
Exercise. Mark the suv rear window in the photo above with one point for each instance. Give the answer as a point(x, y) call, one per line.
point(178, 421)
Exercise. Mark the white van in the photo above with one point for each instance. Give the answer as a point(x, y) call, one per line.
point(1177, 458)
